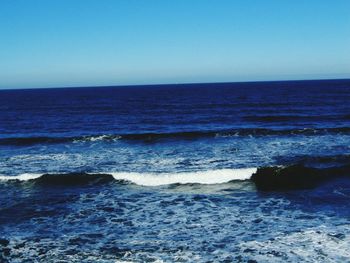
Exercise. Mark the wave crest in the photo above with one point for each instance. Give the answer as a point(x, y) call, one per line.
point(204, 177)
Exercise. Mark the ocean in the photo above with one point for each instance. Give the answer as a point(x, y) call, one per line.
point(220, 172)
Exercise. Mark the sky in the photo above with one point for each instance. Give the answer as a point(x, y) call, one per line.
point(64, 43)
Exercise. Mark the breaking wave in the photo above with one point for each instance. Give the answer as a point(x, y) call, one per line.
point(272, 178)
point(204, 177)
point(143, 179)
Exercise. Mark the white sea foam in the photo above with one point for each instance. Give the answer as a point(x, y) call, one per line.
point(316, 245)
point(20, 177)
point(98, 138)
point(201, 177)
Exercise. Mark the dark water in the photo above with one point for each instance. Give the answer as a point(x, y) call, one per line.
point(177, 161)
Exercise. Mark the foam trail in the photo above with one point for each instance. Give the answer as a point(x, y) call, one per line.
point(201, 177)
point(21, 177)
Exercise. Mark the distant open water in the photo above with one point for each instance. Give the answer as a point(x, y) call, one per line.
point(162, 173)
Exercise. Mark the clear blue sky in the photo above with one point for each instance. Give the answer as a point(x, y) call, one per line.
point(52, 43)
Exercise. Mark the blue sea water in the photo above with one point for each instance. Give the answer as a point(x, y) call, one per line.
point(162, 173)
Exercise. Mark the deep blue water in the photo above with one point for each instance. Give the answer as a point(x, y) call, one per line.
point(181, 157)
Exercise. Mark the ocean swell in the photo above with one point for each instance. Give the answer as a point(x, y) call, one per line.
point(188, 135)
point(295, 177)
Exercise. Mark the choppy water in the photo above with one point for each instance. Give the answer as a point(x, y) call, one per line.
point(179, 159)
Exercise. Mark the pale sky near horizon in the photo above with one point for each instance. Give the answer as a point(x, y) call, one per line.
point(61, 43)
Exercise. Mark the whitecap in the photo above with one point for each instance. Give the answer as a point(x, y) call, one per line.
point(20, 177)
point(199, 177)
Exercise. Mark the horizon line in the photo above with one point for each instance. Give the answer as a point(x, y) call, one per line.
point(176, 84)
